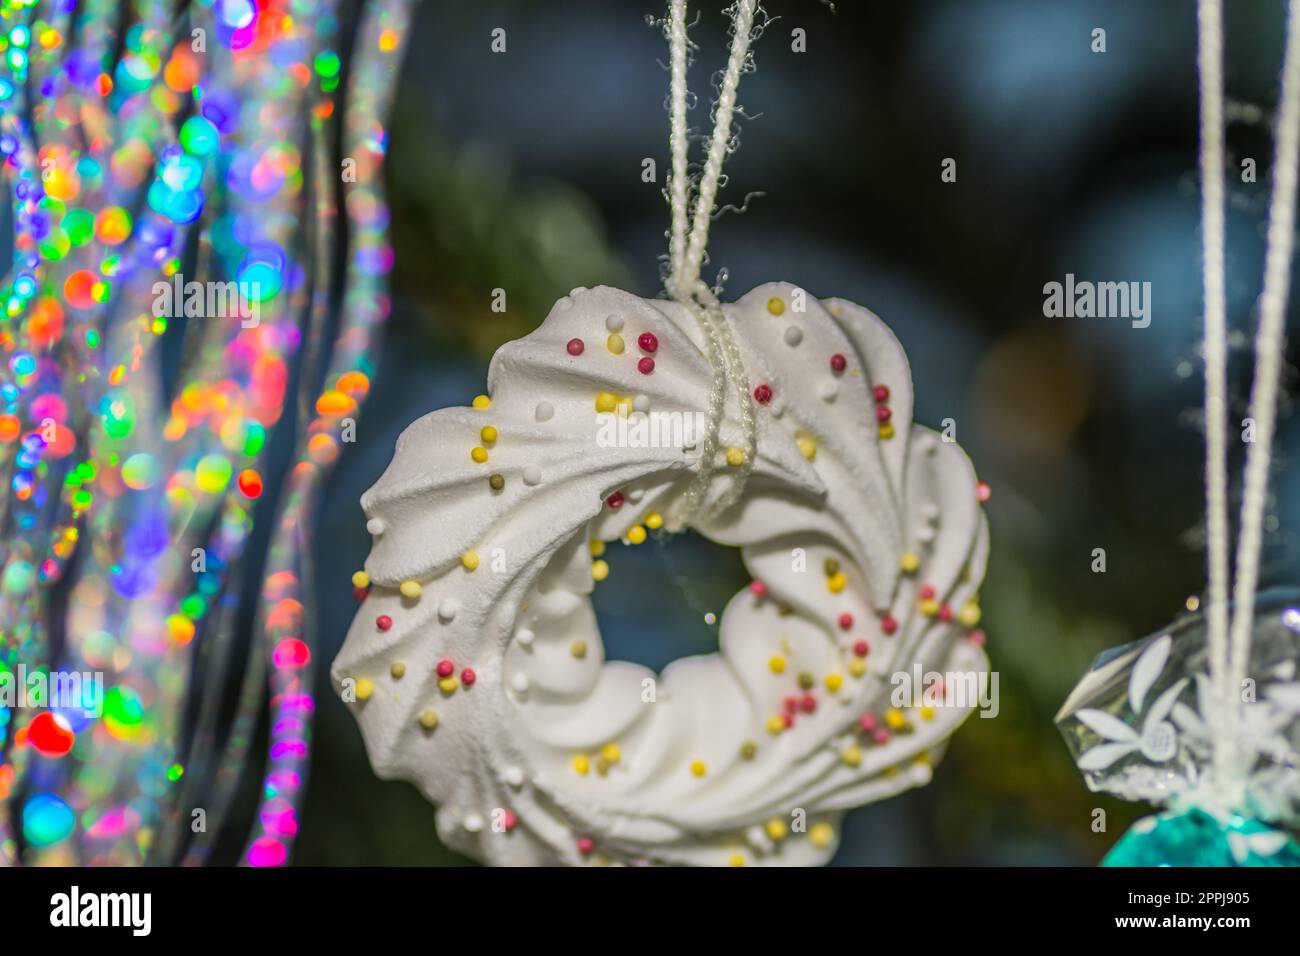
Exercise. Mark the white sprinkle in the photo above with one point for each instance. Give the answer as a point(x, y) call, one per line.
point(925, 535)
point(827, 391)
point(520, 683)
point(513, 776)
point(793, 335)
point(545, 411)
point(614, 323)
point(473, 823)
point(447, 609)
point(525, 637)
point(641, 403)
point(375, 526)
point(532, 475)
point(758, 839)
point(635, 495)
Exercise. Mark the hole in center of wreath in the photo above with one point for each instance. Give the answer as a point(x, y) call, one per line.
point(664, 599)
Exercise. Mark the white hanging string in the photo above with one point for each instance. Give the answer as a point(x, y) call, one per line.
point(678, 188)
point(686, 255)
point(1268, 355)
point(1210, 67)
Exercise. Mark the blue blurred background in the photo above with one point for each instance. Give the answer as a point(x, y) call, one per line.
point(522, 171)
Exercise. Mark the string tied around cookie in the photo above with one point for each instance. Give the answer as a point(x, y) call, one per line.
point(686, 256)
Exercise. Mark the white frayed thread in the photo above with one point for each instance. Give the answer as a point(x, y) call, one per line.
point(1210, 66)
point(686, 255)
point(1268, 357)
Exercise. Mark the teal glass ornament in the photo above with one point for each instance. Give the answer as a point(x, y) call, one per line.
point(1196, 838)
point(1140, 725)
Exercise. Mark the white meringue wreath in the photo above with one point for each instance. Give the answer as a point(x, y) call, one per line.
point(475, 667)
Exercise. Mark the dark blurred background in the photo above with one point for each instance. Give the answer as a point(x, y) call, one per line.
point(522, 171)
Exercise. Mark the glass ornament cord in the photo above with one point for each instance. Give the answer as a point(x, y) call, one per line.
point(1230, 640)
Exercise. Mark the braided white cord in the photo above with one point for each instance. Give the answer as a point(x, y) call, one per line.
point(680, 183)
point(1268, 353)
point(1210, 64)
point(742, 27)
point(686, 255)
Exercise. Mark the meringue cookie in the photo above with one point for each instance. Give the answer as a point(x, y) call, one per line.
point(862, 531)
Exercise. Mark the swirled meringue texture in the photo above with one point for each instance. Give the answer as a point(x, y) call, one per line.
point(475, 665)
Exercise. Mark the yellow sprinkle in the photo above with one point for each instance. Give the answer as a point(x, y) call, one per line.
point(428, 719)
point(365, 687)
point(894, 717)
point(614, 343)
point(807, 445)
point(654, 521)
point(923, 758)
point(482, 402)
point(578, 649)
point(775, 724)
point(909, 563)
point(469, 560)
point(448, 685)
point(837, 582)
point(360, 580)
point(775, 306)
point(599, 570)
point(398, 670)
point(698, 769)
point(611, 753)
point(581, 765)
point(929, 607)
point(969, 615)
point(736, 859)
point(480, 455)
point(776, 829)
point(735, 457)
point(748, 749)
point(488, 434)
point(777, 664)
point(821, 834)
point(856, 667)
point(887, 431)
point(606, 402)
point(410, 589)
point(927, 713)
point(596, 547)
point(834, 682)
point(636, 534)
point(851, 756)
point(602, 766)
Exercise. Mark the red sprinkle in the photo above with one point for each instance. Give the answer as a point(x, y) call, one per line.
point(468, 677)
point(881, 393)
point(510, 820)
point(758, 589)
point(648, 342)
point(808, 704)
point(575, 346)
point(788, 720)
point(360, 593)
point(867, 722)
point(977, 638)
point(926, 592)
point(881, 736)
point(791, 704)
point(861, 648)
point(983, 492)
point(883, 414)
point(586, 845)
point(846, 621)
point(945, 613)
point(615, 500)
point(888, 624)
point(646, 365)
point(763, 394)
point(383, 622)
point(446, 668)
point(838, 362)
